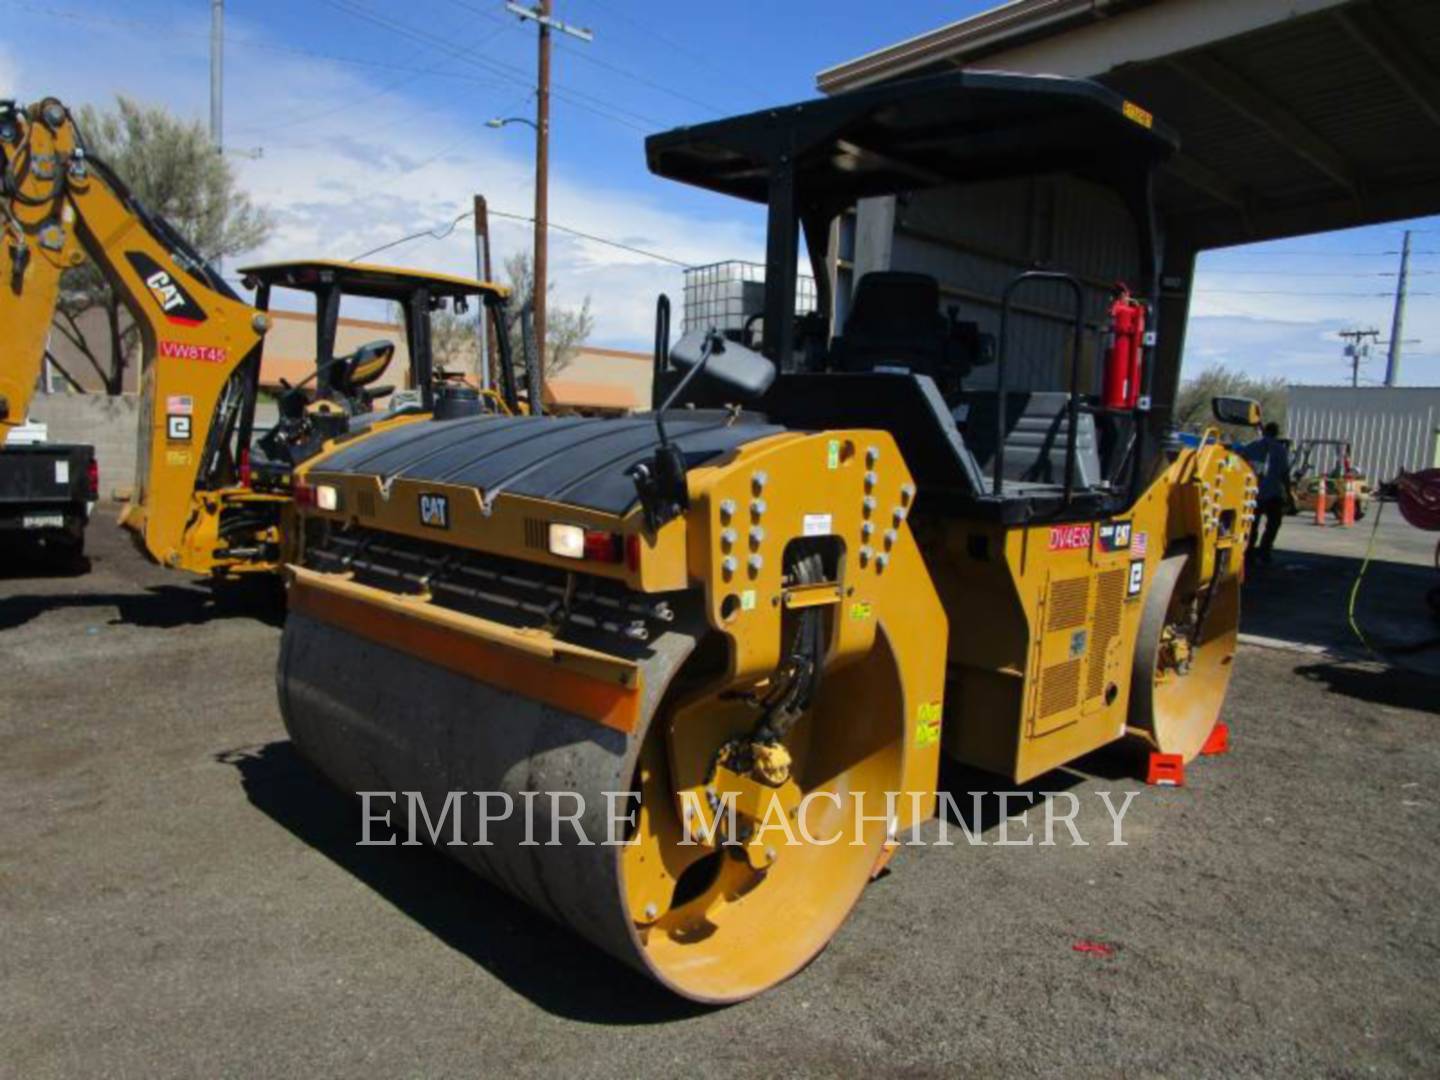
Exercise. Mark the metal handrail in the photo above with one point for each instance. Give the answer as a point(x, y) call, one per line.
point(1072, 408)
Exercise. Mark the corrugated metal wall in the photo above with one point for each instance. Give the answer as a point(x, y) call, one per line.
point(974, 239)
point(1388, 428)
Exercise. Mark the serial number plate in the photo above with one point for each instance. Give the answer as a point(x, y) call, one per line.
point(44, 521)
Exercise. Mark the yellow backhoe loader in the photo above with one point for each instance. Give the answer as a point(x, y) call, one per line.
point(819, 565)
point(205, 499)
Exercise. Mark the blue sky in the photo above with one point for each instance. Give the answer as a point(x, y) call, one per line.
point(371, 118)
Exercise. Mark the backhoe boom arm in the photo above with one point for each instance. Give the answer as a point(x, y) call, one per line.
point(201, 342)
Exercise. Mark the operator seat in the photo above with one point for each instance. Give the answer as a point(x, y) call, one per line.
point(895, 324)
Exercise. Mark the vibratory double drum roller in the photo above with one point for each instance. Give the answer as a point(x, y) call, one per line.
point(759, 793)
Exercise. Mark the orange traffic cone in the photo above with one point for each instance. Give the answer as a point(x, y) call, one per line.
point(1347, 503)
point(1320, 501)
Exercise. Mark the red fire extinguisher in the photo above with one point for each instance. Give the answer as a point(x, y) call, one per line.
point(1123, 358)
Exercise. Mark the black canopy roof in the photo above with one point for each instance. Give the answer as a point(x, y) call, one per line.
point(916, 133)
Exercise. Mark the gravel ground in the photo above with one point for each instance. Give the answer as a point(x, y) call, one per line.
point(179, 896)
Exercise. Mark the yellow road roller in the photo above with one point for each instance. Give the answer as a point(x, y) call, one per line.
point(712, 655)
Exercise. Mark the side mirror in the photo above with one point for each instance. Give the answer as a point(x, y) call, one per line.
point(743, 370)
point(660, 482)
point(1242, 411)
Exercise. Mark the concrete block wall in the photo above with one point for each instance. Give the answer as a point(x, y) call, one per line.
point(109, 424)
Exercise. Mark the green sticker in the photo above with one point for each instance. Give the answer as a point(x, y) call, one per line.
point(860, 610)
point(832, 454)
point(927, 725)
point(747, 600)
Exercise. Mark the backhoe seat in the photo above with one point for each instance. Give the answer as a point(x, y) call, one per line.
point(1036, 429)
point(363, 366)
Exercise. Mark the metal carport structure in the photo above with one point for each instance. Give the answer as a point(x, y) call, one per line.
point(1295, 116)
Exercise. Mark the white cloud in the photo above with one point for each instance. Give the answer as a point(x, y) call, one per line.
point(1281, 316)
point(1298, 351)
point(9, 74)
point(349, 165)
point(346, 168)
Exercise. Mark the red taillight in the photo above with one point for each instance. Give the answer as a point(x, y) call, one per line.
point(303, 493)
point(92, 479)
point(604, 546)
point(632, 552)
point(244, 469)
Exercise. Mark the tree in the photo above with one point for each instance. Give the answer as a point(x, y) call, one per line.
point(454, 340)
point(171, 167)
point(1192, 406)
point(566, 329)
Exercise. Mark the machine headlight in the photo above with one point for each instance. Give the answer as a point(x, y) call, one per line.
point(567, 541)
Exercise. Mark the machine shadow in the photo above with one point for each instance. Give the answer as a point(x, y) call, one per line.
point(963, 782)
point(1304, 597)
point(159, 607)
point(549, 965)
point(1397, 688)
point(21, 564)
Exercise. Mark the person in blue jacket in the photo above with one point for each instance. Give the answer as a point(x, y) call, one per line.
point(1270, 458)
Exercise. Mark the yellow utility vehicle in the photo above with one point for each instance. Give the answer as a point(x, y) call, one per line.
point(195, 506)
point(815, 569)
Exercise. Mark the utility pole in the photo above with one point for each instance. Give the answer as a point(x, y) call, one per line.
point(217, 74)
point(1397, 325)
point(1357, 350)
point(540, 15)
point(482, 271)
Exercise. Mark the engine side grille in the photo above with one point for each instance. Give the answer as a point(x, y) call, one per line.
point(1060, 687)
point(1068, 603)
point(1109, 600)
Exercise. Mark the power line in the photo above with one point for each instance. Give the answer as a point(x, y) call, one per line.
point(434, 234)
point(579, 99)
point(231, 41)
point(654, 35)
point(1295, 254)
point(641, 79)
point(602, 240)
point(509, 71)
point(1305, 292)
point(1227, 271)
point(491, 15)
point(449, 227)
point(303, 116)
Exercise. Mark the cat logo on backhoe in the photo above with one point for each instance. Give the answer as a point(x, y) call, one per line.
point(168, 293)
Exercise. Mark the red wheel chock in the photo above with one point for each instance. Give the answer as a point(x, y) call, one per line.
point(1218, 741)
point(1166, 770)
